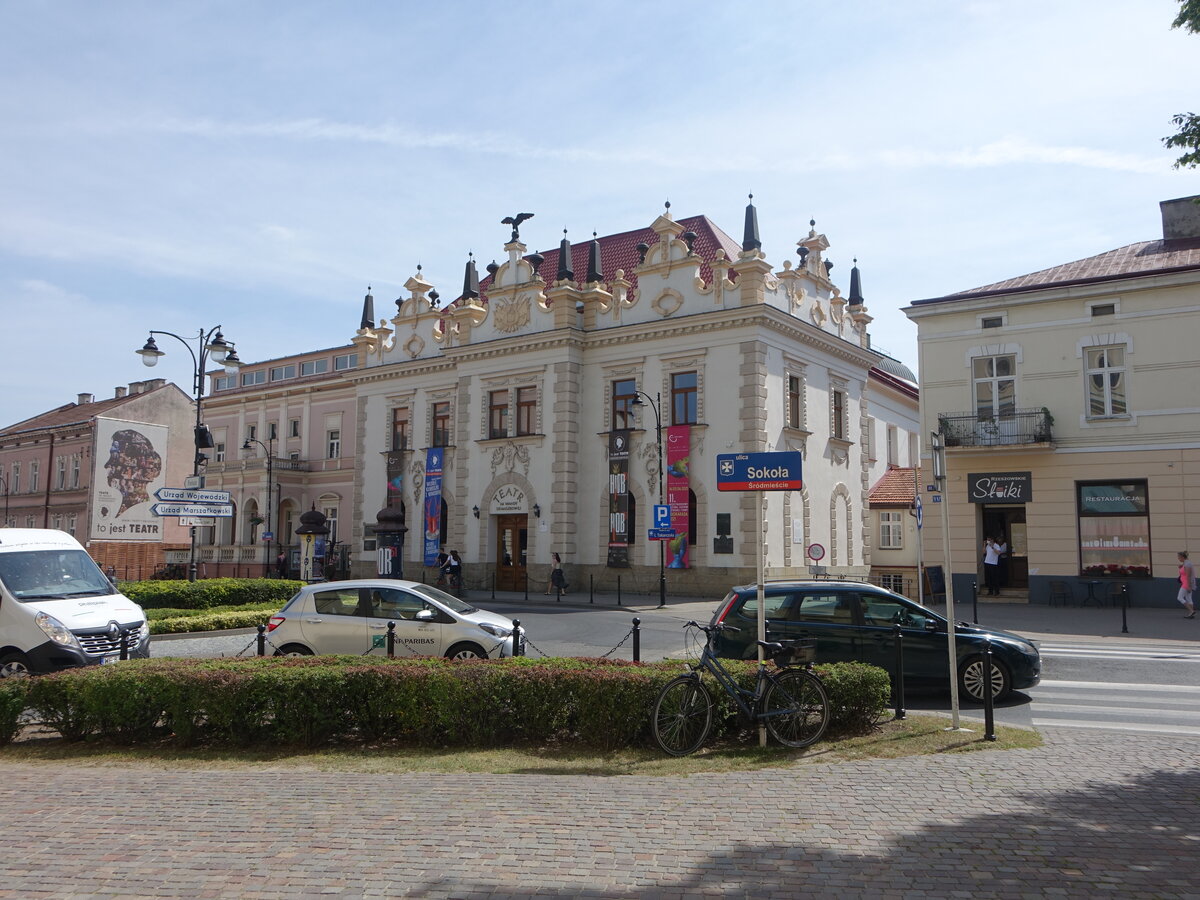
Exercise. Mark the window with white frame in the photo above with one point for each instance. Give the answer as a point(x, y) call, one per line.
point(56, 521)
point(251, 432)
point(1106, 382)
point(314, 367)
point(219, 452)
point(35, 470)
point(224, 382)
point(891, 529)
point(869, 427)
point(331, 520)
point(333, 443)
point(72, 523)
point(74, 470)
point(14, 481)
point(293, 428)
point(60, 473)
point(797, 412)
point(839, 424)
point(994, 382)
point(893, 446)
point(249, 378)
point(279, 373)
point(29, 520)
point(345, 361)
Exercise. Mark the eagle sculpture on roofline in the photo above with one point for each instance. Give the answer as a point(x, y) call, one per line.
point(515, 222)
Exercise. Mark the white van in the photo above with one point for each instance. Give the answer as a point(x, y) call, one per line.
point(57, 609)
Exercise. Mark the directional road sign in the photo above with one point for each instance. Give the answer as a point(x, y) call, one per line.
point(224, 510)
point(183, 495)
point(197, 521)
point(661, 534)
point(919, 512)
point(759, 471)
point(662, 515)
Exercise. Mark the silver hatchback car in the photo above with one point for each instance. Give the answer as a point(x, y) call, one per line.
point(352, 617)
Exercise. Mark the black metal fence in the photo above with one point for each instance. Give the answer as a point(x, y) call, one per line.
point(1021, 426)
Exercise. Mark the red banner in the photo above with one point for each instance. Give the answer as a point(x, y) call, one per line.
point(679, 451)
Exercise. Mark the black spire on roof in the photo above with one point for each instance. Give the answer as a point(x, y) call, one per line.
point(595, 272)
point(493, 267)
point(368, 314)
point(856, 297)
point(536, 260)
point(565, 272)
point(470, 279)
point(750, 239)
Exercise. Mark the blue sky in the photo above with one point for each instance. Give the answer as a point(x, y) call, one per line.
point(256, 165)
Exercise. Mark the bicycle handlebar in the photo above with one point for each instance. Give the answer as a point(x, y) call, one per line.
point(709, 629)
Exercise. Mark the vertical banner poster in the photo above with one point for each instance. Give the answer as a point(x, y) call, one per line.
point(433, 504)
point(618, 499)
point(395, 479)
point(678, 459)
point(130, 459)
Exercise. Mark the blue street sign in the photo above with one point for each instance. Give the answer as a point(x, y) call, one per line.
point(662, 515)
point(918, 513)
point(759, 471)
point(937, 498)
point(660, 534)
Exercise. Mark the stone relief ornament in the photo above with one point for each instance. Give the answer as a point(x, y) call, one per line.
point(667, 302)
point(512, 314)
point(417, 480)
point(414, 346)
point(508, 457)
point(817, 313)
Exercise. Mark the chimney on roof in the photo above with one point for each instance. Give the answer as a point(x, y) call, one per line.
point(856, 297)
point(84, 398)
point(565, 272)
point(136, 387)
point(471, 279)
point(1180, 218)
point(120, 392)
point(750, 239)
point(594, 268)
point(368, 313)
point(155, 383)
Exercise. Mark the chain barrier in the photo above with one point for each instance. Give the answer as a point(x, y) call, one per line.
point(628, 635)
point(540, 651)
point(254, 640)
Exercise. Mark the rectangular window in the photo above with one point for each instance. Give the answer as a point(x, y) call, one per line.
point(333, 441)
point(893, 581)
point(995, 386)
point(72, 522)
point(75, 471)
point(795, 402)
point(35, 470)
point(440, 416)
point(14, 481)
point(249, 378)
point(60, 473)
point(1106, 382)
point(294, 428)
point(219, 452)
point(272, 431)
point(498, 414)
point(624, 392)
point(279, 373)
point(1104, 309)
point(224, 382)
point(251, 432)
point(684, 392)
point(400, 421)
point(345, 361)
point(838, 426)
point(314, 367)
point(992, 321)
point(1114, 528)
point(891, 529)
point(526, 410)
point(331, 522)
point(893, 446)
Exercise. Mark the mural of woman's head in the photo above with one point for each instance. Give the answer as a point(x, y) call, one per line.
point(132, 464)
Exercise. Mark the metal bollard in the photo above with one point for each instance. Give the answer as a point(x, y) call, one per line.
point(898, 682)
point(495, 575)
point(591, 589)
point(517, 637)
point(391, 640)
point(1124, 608)
point(558, 593)
point(637, 639)
point(975, 600)
point(618, 590)
point(526, 581)
point(262, 640)
point(989, 712)
point(124, 654)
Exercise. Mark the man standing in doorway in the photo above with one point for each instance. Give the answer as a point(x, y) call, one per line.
point(991, 566)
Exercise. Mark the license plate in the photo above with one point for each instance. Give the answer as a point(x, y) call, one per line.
point(105, 660)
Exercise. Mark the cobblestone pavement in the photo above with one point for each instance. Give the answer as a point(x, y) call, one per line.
point(1097, 813)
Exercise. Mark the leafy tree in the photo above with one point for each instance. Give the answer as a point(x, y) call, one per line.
point(1188, 136)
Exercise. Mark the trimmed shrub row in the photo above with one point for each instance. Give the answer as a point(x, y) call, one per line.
point(211, 621)
point(430, 702)
point(209, 592)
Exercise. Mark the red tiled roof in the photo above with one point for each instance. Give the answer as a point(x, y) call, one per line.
point(1145, 258)
point(897, 487)
point(70, 414)
point(619, 251)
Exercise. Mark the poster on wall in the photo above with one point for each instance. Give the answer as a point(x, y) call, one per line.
point(395, 478)
point(130, 462)
point(433, 504)
point(618, 499)
point(678, 460)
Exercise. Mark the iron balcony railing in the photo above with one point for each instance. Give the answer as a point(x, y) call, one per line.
point(1021, 426)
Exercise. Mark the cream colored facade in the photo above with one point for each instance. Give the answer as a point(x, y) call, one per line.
point(1102, 410)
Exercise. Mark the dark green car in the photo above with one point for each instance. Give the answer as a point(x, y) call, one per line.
point(855, 622)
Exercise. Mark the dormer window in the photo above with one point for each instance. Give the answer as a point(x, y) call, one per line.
point(992, 322)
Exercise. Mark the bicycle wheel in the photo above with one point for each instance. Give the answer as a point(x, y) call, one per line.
point(795, 708)
point(682, 716)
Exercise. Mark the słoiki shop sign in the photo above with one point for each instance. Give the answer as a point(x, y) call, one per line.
point(1000, 487)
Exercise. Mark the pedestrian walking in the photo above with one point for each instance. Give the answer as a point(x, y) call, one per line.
point(991, 566)
point(1187, 583)
point(558, 582)
point(281, 564)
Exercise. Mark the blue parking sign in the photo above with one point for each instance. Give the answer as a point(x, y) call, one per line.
point(662, 515)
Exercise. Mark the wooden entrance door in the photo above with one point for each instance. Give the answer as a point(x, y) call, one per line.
point(512, 541)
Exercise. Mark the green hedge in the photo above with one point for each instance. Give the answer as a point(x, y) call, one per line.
point(12, 703)
point(432, 702)
point(211, 621)
point(209, 592)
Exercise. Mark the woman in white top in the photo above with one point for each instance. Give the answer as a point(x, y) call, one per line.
point(991, 566)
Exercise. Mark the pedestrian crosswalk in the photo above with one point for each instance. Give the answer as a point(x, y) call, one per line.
point(1146, 708)
point(1175, 650)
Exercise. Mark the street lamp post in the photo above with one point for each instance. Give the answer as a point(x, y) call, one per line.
point(211, 343)
point(656, 405)
point(270, 448)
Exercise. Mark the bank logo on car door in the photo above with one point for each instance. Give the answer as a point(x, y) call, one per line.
point(414, 636)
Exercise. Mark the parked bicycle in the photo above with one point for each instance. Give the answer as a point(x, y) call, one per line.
point(790, 701)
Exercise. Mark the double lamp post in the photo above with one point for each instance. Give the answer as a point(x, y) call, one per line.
point(269, 447)
point(211, 344)
point(656, 405)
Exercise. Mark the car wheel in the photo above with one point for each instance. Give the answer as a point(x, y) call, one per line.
point(971, 679)
point(14, 665)
point(293, 650)
point(466, 651)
